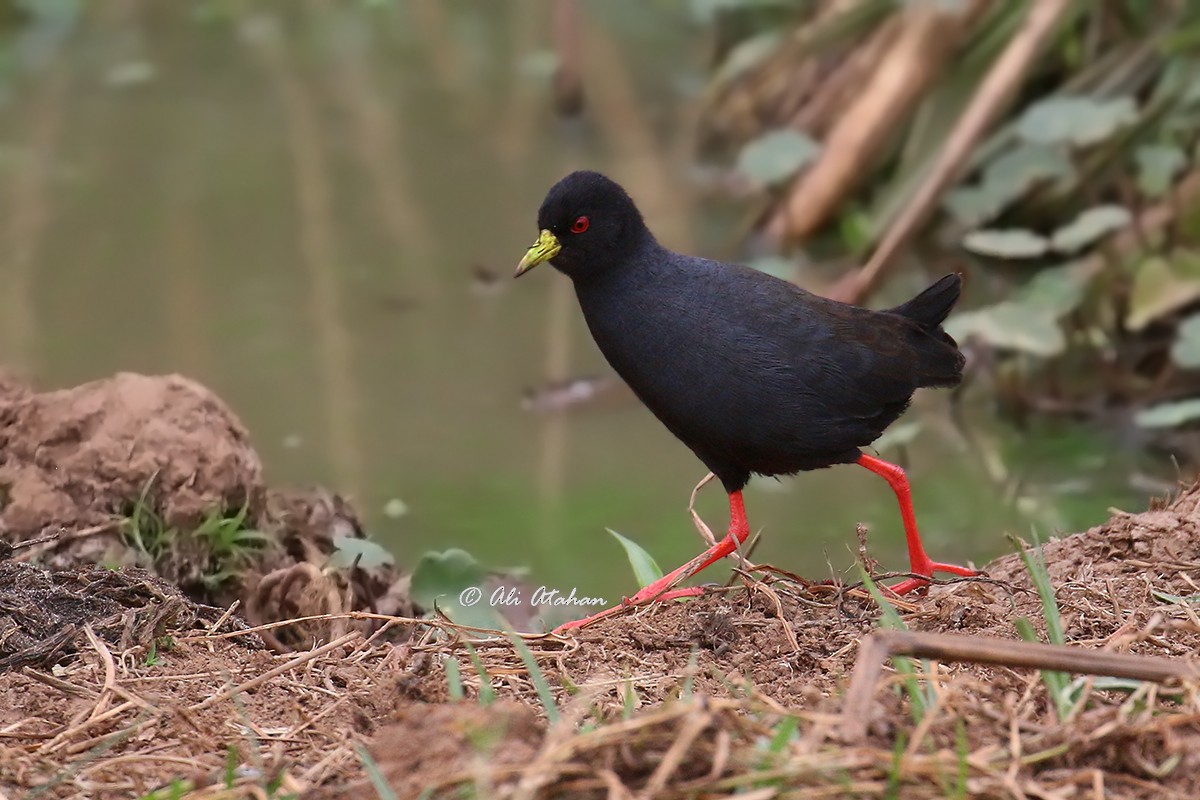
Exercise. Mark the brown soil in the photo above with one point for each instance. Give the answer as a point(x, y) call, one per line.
point(117, 683)
point(73, 458)
point(75, 462)
point(1113, 586)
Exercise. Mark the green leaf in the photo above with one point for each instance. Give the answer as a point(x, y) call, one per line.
point(1075, 120)
point(776, 156)
point(1158, 164)
point(1058, 290)
point(439, 574)
point(537, 677)
point(1010, 325)
point(1091, 225)
point(1169, 415)
point(1185, 351)
point(645, 568)
point(704, 12)
point(1013, 243)
point(1017, 171)
point(747, 55)
point(1167, 597)
point(441, 578)
point(973, 205)
point(348, 548)
point(1161, 286)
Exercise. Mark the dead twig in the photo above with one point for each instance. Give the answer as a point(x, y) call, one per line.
point(881, 645)
point(994, 93)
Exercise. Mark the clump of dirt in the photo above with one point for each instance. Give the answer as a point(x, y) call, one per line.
point(73, 458)
point(293, 579)
point(430, 745)
point(140, 470)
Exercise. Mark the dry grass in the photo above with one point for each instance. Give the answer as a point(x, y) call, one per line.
point(738, 692)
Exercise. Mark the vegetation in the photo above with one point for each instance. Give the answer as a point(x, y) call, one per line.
point(1049, 149)
point(220, 548)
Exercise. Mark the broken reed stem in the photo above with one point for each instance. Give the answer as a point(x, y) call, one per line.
point(996, 90)
point(878, 646)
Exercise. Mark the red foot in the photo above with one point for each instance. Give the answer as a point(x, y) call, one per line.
point(663, 588)
point(904, 587)
point(690, 591)
point(920, 563)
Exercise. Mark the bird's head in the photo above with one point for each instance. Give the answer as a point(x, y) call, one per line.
point(587, 223)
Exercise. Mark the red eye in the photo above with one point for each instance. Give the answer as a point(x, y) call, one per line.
point(580, 225)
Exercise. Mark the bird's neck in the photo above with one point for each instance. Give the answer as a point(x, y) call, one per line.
point(630, 267)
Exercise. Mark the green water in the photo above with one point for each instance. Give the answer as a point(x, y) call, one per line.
point(288, 202)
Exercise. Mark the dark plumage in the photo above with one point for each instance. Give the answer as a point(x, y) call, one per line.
point(751, 372)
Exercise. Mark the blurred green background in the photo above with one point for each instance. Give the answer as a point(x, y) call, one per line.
point(315, 208)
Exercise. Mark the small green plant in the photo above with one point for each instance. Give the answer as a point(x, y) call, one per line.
point(486, 693)
point(535, 675)
point(1057, 683)
point(629, 702)
point(645, 568)
point(890, 619)
point(962, 751)
point(689, 679)
point(232, 759)
point(177, 789)
point(231, 545)
point(784, 733)
point(158, 645)
point(895, 778)
point(144, 530)
point(453, 678)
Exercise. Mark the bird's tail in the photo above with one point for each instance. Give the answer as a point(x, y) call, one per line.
point(931, 307)
point(941, 362)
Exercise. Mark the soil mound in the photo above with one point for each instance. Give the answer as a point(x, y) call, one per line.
point(157, 472)
point(73, 458)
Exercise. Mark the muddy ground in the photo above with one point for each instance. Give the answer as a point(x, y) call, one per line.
point(128, 679)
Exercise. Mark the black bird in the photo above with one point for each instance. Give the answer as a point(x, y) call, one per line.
point(751, 372)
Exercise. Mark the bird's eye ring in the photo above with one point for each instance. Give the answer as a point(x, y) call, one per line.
point(580, 225)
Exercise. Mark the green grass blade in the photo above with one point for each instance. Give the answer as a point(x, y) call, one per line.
point(1057, 683)
point(645, 568)
point(1035, 562)
point(486, 693)
point(784, 732)
point(962, 751)
point(377, 780)
point(630, 701)
point(890, 619)
point(693, 667)
point(453, 678)
point(535, 675)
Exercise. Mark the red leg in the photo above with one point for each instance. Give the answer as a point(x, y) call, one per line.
point(920, 562)
point(663, 588)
